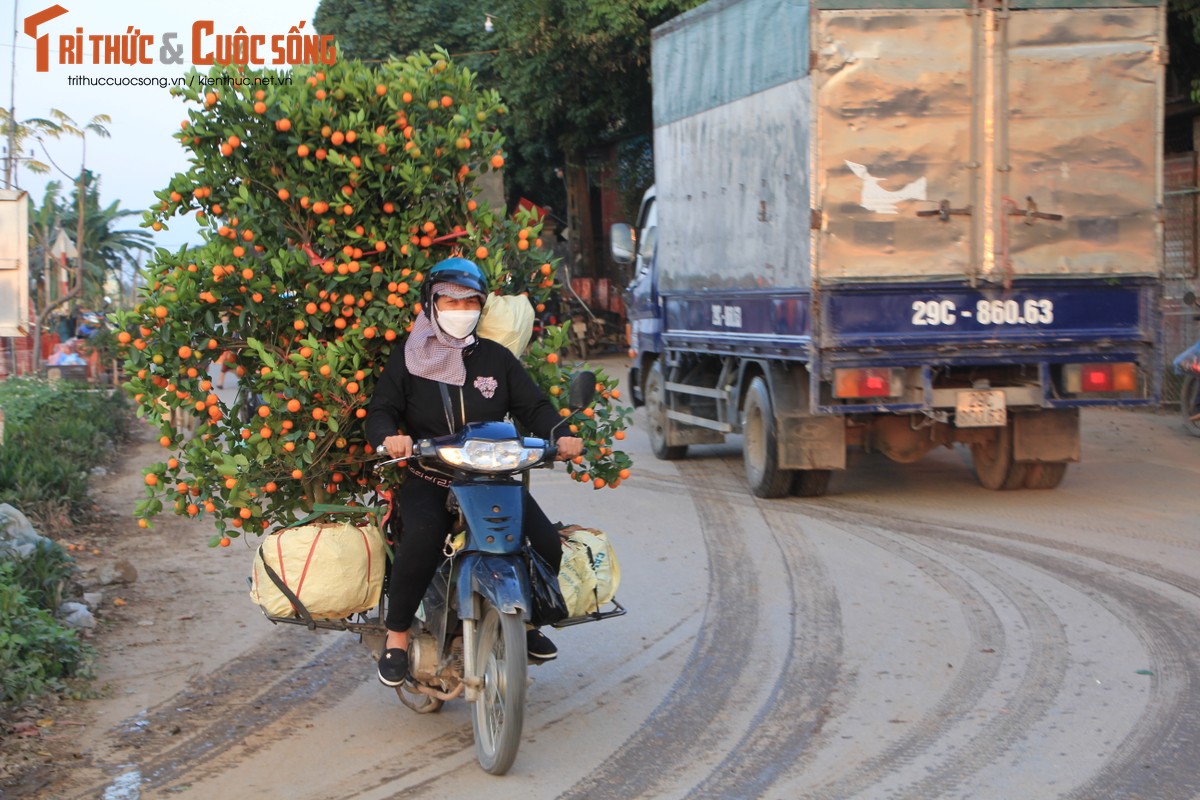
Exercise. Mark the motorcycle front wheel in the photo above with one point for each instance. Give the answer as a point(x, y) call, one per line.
point(499, 712)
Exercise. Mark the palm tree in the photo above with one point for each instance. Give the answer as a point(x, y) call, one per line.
point(44, 224)
point(59, 125)
point(17, 136)
point(107, 246)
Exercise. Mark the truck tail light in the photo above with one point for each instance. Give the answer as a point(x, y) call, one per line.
point(868, 382)
point(1084, 378)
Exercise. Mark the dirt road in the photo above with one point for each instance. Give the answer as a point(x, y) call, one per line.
point(910, 635)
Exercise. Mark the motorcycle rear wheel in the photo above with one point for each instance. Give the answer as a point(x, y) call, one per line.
point(499, 711)
point(1189, 403)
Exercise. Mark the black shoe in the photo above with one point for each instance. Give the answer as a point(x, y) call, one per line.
point(539, 646)
point(393, 667)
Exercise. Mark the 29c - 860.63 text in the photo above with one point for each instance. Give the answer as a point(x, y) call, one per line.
point(1031, 311)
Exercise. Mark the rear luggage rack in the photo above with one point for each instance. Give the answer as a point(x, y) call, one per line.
point(618, 610)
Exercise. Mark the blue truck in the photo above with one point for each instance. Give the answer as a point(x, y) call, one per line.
point(899, 226)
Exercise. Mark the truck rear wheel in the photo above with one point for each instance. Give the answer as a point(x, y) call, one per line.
point(656, 410)
point(994, 464)
point(1045, 475)
point(760, 444)
point(812, 482)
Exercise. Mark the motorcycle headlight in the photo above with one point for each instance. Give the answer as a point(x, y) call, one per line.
point(503, 456)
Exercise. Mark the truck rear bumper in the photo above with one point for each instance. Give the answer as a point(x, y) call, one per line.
point(936, 389)
point(1029, 341)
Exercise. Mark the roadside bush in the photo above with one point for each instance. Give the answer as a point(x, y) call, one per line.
point(37, 655)
point(44, 573)
point(54, 434)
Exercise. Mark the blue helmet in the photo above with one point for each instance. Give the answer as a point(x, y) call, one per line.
point(452, 270)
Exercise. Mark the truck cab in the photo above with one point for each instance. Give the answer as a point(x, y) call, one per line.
point(637, 246)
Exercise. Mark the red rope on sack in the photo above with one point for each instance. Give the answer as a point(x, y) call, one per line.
point(312, 549)
point(282, 568)
point(367, 545)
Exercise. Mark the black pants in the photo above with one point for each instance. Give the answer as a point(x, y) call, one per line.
point(425, 521)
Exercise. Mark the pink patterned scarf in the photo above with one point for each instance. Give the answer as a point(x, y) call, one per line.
point(430, 352)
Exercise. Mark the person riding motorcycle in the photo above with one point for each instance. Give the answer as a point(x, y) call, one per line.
point(485, 382)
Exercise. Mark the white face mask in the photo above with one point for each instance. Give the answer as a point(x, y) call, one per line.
point(458, 324)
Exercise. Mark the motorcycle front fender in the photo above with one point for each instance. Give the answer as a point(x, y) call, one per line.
point(502, 580)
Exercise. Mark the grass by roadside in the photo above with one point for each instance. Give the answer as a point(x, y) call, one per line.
point(54, 435)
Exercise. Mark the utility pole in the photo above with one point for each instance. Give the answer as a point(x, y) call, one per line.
point(10, 161)
point(81, 192)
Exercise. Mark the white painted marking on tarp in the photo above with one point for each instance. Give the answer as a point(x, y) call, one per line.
point(883, 201)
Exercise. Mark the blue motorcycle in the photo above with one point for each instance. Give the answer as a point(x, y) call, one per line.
point(469, 635)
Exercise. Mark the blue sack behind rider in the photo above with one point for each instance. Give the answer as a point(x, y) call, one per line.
point(486, 383)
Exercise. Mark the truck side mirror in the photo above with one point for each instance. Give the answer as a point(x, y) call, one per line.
point(624, 245)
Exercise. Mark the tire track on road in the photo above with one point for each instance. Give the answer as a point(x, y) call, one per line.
point(797, 706)
point(779, 742)
point(208, 726)
point(1044, 669)
point(1156, 760)
point(689, 724)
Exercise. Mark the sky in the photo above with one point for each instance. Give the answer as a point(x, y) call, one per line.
point(140, 157)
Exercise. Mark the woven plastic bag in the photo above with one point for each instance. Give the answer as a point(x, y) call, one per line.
point(333, 568)
point(589, 574)
point(507, 319)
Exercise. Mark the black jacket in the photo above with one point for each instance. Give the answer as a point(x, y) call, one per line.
point(496, 385)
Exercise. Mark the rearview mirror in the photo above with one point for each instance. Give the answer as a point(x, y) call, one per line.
point(583, 389)
point(623, 244)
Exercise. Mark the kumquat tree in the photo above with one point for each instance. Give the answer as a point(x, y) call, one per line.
point(324, 201)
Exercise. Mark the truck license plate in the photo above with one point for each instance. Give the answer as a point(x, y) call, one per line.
point(980, 409)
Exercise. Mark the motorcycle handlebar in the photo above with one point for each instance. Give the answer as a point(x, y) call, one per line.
point(549, 455)
point(382, 452)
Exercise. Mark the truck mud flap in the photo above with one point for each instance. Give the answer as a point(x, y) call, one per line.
point(1049, 435)
point(808, 442)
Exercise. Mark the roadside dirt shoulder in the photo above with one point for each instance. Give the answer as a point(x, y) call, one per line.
point(184, 613)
